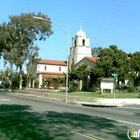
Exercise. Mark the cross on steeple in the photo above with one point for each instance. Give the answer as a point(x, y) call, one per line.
point(81, 26)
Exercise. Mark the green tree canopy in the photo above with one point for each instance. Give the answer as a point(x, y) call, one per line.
point(19, 35)
point(79, 73)
point(113, 60)
point(135, 67)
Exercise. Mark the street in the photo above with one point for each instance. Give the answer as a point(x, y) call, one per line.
point(26, 118)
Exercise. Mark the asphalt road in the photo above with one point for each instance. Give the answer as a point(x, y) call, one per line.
point(26, 118)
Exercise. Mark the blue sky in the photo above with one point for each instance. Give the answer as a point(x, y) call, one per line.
point(106, 22)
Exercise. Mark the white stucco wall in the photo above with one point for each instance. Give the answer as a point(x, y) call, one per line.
point(79, 41)
point(79, 50)
point(51, 68)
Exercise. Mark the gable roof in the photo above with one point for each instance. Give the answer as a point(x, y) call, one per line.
point(92, 59)
point(51, 62)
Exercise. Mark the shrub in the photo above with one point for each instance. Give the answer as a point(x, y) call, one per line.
point(36, 83)
point(138, 88)
point(86, 88)
point(43, 86)
point(94, 88)
point(73, 86)
point(60, 81)
point(48, 82)
point(131, 89)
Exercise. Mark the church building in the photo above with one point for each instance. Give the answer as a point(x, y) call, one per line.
point(80, 53)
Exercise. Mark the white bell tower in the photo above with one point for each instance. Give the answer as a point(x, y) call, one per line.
point(80, 47)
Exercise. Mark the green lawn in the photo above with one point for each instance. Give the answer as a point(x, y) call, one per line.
point(96, 95)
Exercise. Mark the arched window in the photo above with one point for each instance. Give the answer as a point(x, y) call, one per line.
point(75, 42)
point(45, 68)
point(83, 42)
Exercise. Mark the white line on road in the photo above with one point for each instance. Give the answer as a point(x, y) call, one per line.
point(124, 121)
point(130, 107)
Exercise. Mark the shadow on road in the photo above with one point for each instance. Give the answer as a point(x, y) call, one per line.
point(19, 122)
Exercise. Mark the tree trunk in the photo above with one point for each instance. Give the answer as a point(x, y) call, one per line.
point(11, 77)
point(20, 78)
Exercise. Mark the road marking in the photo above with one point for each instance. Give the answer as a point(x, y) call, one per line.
point(130, 107)
point(92, 137)
point(124, 121)
point(4, 99)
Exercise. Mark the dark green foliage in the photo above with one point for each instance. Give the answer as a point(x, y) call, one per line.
point(47, 82)
point(11, 79)
point(17, 38)
point(85, 87)
point(79, 73)
point(138, 88)
point(94, 88)
point(135, 67)
point(113, 60)
point(95, 74)
point(131, 89)
point(42, 86)
point(36, 83)
point(60, 80)
point(5, 77)
point(73, 86)
point(15, 80)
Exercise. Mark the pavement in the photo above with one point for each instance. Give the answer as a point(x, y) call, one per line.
point(45, 119)
point(86, 101)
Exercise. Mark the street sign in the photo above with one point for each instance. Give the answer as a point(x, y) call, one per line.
point(114, 74)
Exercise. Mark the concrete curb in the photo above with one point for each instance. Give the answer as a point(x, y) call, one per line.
point(98, 104)
point(80, 100)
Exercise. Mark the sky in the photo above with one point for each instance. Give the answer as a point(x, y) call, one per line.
point(105, 22)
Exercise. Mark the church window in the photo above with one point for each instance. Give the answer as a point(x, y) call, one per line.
point(59, 68)
point(83, 42)
point(45, 68)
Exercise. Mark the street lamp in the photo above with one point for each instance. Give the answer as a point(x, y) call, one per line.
point(67, 51)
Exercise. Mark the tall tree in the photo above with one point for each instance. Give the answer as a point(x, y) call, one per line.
point(113, 60)
point(20, 34)
point(79, 73)
point(135, 67)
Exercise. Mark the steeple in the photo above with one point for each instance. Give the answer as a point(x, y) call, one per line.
point(80, 26)
point(81, 33)
point(80, 47)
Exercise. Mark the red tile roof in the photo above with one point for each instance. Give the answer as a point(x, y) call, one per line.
point(93, 59)
point(51, 62)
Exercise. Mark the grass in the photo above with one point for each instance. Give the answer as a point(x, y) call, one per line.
point(96, 95)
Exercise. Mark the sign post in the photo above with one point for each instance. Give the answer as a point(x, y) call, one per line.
point(114, 75)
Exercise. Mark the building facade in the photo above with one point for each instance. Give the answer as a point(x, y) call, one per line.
point(40, 69)
point(80, 53)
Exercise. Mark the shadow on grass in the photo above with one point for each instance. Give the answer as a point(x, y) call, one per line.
point(18, 122)
point(137, 114)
